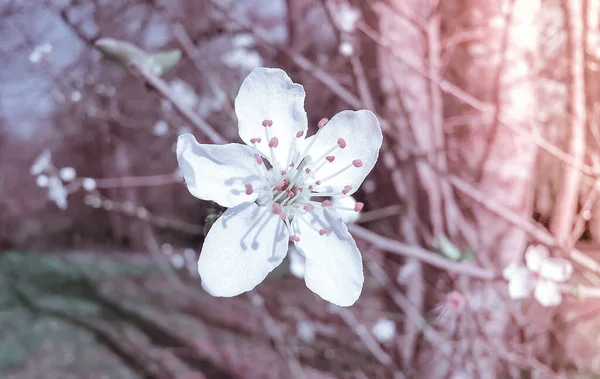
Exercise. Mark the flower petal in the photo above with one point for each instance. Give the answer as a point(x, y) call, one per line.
point(334, 269)
point(270, 94)
point(511, 270)
point(220, 172)
point(297, 262)
point(548, 293)
point(346, 210)
point(556, 269)
point(360, 135)
point(243, 246)
point(520, 284)
point(534, 256)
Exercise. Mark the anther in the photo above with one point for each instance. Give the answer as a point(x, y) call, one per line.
point(309, 207)
point(318, 182)
point(307, 170)
point(330, 158)
point(249, 189)
point(341, 143)
point(310, 188)
point(258, 158)
point(358, 206)
point(357, 163)
point(322, 122)
point(326, 203)
point(273, 142)
point(346, 189)
point(290, 193)
point(324, 231)
point(292, 165)
point(283, 172)
point(294, 238)
point(255, 140)
point(266, 123)
point(300, 134)
point(283, 183)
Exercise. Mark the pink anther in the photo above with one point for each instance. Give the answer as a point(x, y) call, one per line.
point(300, 134)
point(266, 123)
point(330, 158)
point(324, 231)
point(357, 163)
point(273, 142)
point(322, 122)
point(358, 206)
point(326, 203)
point(318, 182)
point(258, 158)
point(341, 143)
point(346, 189)
point(294, 238)
point(255, 140)
point(309, 207)
point(249, 189)
point(307, 170)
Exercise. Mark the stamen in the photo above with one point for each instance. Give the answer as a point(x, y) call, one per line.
point(258, 158)
point(281, 184)
point(255, 140)
point(309, 207)
point(330, 158)
point(358, 206)
point(318, 182)
point(290, 193)
point(322, 123)
point(324, 231)
point(326, 203)
point(278, 211)
point(283, 172)
point(274, 142)
point(292, 165)
point(300, 134)
point(249, 189)
point(266, 123)
point(294, 238)
point(307, 170)
point(341, 143)
point(357, 163)
point(346, 189)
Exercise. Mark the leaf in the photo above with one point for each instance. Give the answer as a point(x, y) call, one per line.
point(447, 248)
point(126, 54)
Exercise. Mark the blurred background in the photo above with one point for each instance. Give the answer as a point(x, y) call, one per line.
point(489, 110)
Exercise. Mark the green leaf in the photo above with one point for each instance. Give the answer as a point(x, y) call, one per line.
point(163, 62)
point(126, 54)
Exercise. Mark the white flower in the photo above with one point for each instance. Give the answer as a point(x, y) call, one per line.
point(177, 261)
point(75, 96)
point(384, 330)
point(306, 331)
point(242, 58)
point(184, 93)
point(268, 187)
point(347, 17)
point(297, 262)
point(42, 181)
point(39, 52)
point(346, 49)
point(541, 275)
point(160, 128)
point(57, 192)
point(67, 174)
point(88, 184)
point(42, 163)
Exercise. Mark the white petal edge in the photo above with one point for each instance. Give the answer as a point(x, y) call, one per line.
point(270, 94)
point(547, 293)
point(243, 246)
point(219, 172)
point(520, 285)
point(348, 215)
point(334, 268)
point(297, 262)
point(361, 132)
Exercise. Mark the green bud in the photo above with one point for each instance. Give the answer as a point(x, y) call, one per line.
point(126, 54)
point(447, 248)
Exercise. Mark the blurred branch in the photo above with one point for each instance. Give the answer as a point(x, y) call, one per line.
point(562, 220)
point(397, 247)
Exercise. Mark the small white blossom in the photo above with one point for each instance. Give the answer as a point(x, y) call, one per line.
point(167, 249)
point(39, 52)
point(41, 181)
point(75, 96)
point(347, 16)
point(346, 49)
point(270, 187)
point(242, 58)
point(93, 201)
point(67, 174)
point(160, 128)
point(189, 254)
point(88, 184)
point(184, 93)
point(243, 40)
point(57, 192)
point(541, 275)
point(384, 330)
point(42, 163)
point(306, 331)
point(177, 261)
